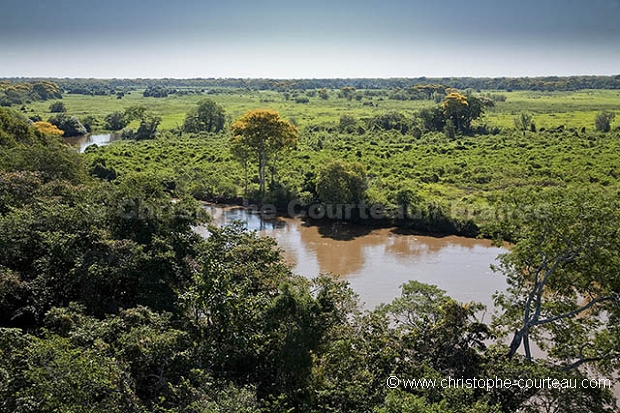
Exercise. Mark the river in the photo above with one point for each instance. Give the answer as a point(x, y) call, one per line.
point(376, 262)
point(84, 141)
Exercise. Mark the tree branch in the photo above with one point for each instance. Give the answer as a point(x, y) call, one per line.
point(575, 311)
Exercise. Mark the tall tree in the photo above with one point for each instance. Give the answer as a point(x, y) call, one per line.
point(115, 121)
point(267, 134)
point(562, 272)
point(243, 153)
point(341, 182)
point(148, 124)
point(463, 109)
point(455, 108)
point(207, 117)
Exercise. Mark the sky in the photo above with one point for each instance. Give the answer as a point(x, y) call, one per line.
point(308, 39)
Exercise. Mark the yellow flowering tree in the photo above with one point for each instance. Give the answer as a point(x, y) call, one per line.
point(266, 134)
point(463, 109)
point(47, 128)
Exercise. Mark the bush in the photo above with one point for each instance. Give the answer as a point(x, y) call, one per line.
point(207, 117)
point(156, 92)
point(71, 125)
point(146, 131)
point(603, 120)
point(389, 121)
point(347, 124)
point(115, 121)
point(58, 107)
point(90, 123)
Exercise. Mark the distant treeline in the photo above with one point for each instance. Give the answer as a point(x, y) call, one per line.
point(549, 83)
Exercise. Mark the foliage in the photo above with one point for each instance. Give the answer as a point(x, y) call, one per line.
point(389, 121)
point(109, 301)
point(523, 122)
point(140, 241)
point(207, 117)
point(71, 125)
point(347, 124)
point(156, 91)
point(90, 122)
point(561, 276)
point(266, 134)
point(463, 109)
point(147, 129)
point(58, 107)
point(433, 119)
point(19, 93)
point(136, 112)
point(263, 323)
point(340, 182)
point(47, 128)
point(116, 121)
point(60, 376)
point(603, 120)
point(509, 84)
point(24, 148)
point(456, 181)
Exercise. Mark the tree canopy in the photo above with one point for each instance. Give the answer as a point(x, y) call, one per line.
point(562, 273)
point(208, 116)
point(266, 134)
point(463, 109)
point(341, 182)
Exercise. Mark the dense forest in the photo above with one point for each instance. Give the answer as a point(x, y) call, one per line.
point(111, 302)
point(113, 86)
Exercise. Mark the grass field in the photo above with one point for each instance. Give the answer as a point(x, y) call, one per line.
point(550, 109)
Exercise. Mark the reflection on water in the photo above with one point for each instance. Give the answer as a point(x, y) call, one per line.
point(84, 141)
point(376, 262)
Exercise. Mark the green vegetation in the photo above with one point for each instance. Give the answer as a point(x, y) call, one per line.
point(603, 120)
point(58, 107)
point(110, 301)
point(70, 125)
point(265, 134)
point(341, 183)
point(456, 166)
point(463, 177)
point(22, 93)
point(207, 117)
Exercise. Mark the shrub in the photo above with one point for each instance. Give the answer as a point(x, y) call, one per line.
point(603, 120)
point(58, 107)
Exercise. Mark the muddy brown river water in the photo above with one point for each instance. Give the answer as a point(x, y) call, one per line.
point(376, 262)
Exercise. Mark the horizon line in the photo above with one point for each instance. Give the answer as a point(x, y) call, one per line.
point(308, 78)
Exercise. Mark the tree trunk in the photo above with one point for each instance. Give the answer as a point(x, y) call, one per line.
point(273, 170)
point(245, 175)
point(526, 346)
point(261, 171)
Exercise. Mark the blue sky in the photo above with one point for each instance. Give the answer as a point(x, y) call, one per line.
point(308, 39)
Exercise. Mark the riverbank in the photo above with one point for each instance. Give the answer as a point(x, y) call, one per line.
point(429, 221)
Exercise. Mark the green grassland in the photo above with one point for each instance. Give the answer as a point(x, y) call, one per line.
point(172, 109)
point(549, 109)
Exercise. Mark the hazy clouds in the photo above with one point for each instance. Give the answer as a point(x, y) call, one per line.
point(154, 38)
